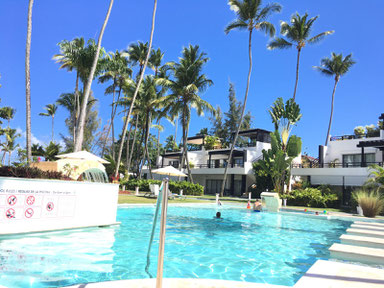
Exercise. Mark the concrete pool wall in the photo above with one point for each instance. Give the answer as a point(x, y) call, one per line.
point(34, 205)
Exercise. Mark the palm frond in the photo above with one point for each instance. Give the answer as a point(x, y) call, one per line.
point(279, 43)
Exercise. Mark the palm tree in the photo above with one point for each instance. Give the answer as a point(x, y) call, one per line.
point(9, 146)
point(51, 111)
point(187, 83)
point(71, 57)
point(335, 66)
point(28, 83)
point(298, 34)
point(87, 90)
point(155, 60)
point(8, 113)
point(132, 104)
point(250, 16)
point(117, 70)
point(137, 55)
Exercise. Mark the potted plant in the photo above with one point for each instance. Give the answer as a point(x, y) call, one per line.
point(359, 131)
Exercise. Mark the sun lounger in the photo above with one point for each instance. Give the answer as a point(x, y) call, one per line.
point(154, 188)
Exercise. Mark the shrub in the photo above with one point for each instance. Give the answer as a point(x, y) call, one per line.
point(311, 197)
point(359, 131)
point(31, 172)
point(175, 187)
point(372, 202)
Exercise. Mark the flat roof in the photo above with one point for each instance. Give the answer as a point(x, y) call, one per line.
point(226, 151)
point(251, 132)
point(198, 139)
point(172, 155)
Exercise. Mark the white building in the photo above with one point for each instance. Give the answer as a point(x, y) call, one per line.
point(207, 166)
point(344, 162)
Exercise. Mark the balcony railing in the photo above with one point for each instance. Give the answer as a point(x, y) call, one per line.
point(337, 165)
point(200, 166)
point(350, 137)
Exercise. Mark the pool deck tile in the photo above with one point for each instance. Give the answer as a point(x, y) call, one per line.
point(374, 224)
point(367, 227)
point(330, 274)
point(176, 283)
point(365, 232)
point(358, 254)
point(362, 241)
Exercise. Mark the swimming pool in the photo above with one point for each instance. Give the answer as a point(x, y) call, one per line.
point(274, 248)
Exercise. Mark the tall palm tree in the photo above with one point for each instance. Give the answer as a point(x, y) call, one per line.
point(117, 70)
point(188, 81)
point(28, 83)
point(298, 34)
point(155, 60)
point(87, 90)
point(132, 104)
point(137, 55)
point(51, 111)
point(250, 16)
point(335, 66)
point(71, 57)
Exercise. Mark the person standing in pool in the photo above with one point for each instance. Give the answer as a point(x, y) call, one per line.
point(218, 215)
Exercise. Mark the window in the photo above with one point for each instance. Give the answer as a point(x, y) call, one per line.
point(238, 162)
point(174, 164)
point(354, 160)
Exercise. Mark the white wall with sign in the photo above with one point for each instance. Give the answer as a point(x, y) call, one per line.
point(31, 205)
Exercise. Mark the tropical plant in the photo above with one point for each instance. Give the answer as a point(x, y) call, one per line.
point(250, 16)
point(359, 131)
point(336, 66)
point(51, 111)
point(284, 117)
point(28, 83)
point(376, 178)
point(132, 104)
point(170, 144)
point(68, 101)
point(87, 89)
point(51, 151)
point(211, 142)
point(117, 70)
point(10, 145)
point(186, 83)
point(370, 201)
point(8, 113)
point(298, 34)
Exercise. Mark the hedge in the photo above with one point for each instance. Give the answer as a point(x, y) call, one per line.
point(311, 197)
point(174, 187)
point(31, 172)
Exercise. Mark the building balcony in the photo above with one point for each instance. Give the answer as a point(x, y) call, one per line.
point(337, 165)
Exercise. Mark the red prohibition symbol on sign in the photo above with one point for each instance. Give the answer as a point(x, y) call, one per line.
point(30, 200)
point(29, 213)
point(12, 200)
point(10, 213)
point(50, 206)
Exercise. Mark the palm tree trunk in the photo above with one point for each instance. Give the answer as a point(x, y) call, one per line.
point(77, 106)
point(9, 158)
point(241, 117)
point(185, 135)
point(144, 139)
point(28, 83)
point(176, 122)
point(297, 73)
point(146, 147)
point(158, 141)
point(332, 103)
point(112, 126)
point(126, 122)
point(127, 151)
point(83, 112)
point(133, 145)
point(53, 127)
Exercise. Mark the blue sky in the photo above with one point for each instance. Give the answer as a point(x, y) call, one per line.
point(359, 96)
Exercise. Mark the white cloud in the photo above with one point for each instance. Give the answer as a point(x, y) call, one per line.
point(34, 139)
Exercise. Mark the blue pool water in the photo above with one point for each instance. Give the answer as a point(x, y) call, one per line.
point(274, 248)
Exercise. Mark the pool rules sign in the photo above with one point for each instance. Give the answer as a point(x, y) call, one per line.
point(18, 203)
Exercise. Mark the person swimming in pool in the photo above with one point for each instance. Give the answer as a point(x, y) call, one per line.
point(218, 215)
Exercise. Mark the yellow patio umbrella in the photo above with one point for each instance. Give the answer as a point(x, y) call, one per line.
point(169, 171)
